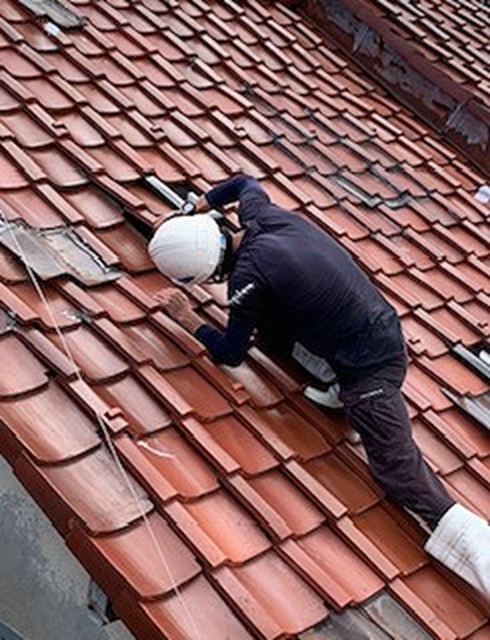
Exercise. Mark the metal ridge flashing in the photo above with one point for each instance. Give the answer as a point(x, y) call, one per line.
point(370, 41)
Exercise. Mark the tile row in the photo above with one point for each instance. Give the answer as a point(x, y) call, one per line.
point(202, 499)
point(455, 40)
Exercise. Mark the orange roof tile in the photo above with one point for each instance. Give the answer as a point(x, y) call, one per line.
point(205, 500)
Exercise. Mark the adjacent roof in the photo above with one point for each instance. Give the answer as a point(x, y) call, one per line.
point(211, 502)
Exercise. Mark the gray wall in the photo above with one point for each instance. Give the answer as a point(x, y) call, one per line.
point(43, 588)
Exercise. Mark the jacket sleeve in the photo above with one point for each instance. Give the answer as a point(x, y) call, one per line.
point(243, 189)
point(246, 307)
point(226, 347)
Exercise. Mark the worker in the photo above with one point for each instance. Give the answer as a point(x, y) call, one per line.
point(294, 285)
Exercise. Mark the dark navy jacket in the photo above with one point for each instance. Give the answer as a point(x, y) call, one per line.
point(294, 283)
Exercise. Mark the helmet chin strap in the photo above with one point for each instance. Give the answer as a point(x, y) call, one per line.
point(226, 257)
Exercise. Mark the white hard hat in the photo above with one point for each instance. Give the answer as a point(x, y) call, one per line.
point(187, 249)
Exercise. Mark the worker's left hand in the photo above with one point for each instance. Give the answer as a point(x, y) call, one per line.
point(175, 302)
point(178, 306)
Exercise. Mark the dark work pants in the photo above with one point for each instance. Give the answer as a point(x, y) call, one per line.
point(376, 409)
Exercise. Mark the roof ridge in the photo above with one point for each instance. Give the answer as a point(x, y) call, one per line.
point(366, 35)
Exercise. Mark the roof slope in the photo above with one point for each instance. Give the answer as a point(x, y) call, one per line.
point(206, 500)
point(431, 57)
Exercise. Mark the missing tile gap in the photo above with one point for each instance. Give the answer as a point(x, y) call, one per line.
point(171, 195)
point(478, 358)
point(477, 407)
point(370, 201)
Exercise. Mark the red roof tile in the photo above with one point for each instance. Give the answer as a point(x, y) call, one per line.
point(248, 497)
point(148, 557)
point(287, 432)
point(264, 589)
point(90, 490)
point(207, 402)
point(39, 422)
point(333, 567)
point(248, 451)
point(444, 598)
point(98, 361)
point(142, 410)
point(168, 465)
point(196, 609)
point(300, 515)
point(219, 528)
point(53, 310)
point(21, 371)
point(343, 481)
point(398, 539)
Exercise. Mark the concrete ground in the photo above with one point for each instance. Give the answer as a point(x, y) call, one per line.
point(43, 588)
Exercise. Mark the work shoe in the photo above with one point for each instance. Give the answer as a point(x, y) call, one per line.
point(329, 398)
point(325, 397)
point(461, 542)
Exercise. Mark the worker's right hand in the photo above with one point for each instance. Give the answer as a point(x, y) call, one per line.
point(201, 204)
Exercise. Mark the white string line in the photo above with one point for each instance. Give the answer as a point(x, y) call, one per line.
point(108, 440)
